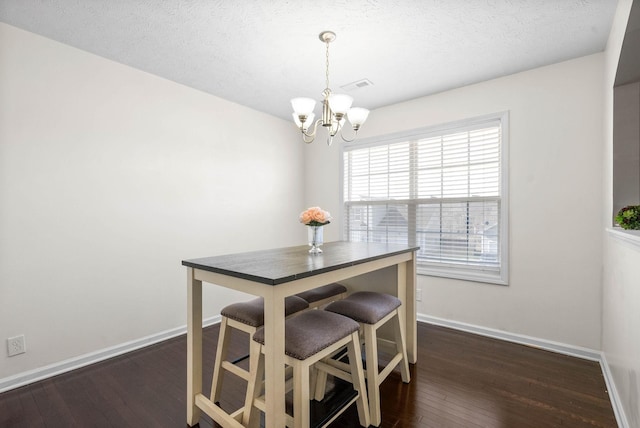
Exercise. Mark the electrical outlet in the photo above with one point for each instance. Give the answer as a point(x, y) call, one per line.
point(419, 295)
point(16, 345)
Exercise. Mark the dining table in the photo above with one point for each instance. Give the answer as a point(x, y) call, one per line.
point(274, 274)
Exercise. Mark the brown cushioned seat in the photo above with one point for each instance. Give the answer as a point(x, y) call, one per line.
point(372, 311)
point(321, 293)
point(248, 317)
point(310, 337)
point(365, 306)
point(312, 331)
point(252, 312)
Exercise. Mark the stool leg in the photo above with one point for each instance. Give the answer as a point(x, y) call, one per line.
point(221, 355)
point(320, 384)
point(402, 348)
point(250, 417)
point(373, 382)
point(301, 397)
point(357, 379)
point(313, 381)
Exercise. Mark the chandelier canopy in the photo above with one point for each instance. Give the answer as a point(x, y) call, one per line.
point(336, 109)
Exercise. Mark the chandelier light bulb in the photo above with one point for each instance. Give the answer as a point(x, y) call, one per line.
point(340, 103)
point(307, 123)
point(357, 116)
point(303, 106)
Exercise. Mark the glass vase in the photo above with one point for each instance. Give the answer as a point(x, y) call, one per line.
point(314, 234)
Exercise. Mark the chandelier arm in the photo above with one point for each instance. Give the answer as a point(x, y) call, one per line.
point(339, 127)
point(308, 137)
point(308, 141)
point(346, 140)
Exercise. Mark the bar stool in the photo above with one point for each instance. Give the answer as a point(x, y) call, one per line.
point(247, 317)
point(310, 337)
point(372, 310)
point(318, 297)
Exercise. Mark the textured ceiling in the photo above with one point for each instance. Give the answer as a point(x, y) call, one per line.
point(261, 53)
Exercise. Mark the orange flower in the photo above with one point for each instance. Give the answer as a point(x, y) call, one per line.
point(315, 216)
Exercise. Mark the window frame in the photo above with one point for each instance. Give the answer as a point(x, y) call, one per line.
point(466, 273)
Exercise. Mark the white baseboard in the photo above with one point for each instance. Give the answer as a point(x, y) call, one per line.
point(561, 348)
point(64, 366)
point(548, 345)
point(621, 417)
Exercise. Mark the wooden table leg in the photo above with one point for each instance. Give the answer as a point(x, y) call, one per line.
point(194, 346)
point(406, 292)
point(411, 333)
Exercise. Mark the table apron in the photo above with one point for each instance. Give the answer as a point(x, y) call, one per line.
point(302, 284)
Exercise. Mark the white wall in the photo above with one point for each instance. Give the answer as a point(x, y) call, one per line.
point(109, 178)
point(621, 283)
point(621, 323)
point(555, 163)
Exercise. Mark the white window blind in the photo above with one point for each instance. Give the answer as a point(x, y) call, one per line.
point(440, 189)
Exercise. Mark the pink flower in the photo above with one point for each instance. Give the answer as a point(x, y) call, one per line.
point(315, 216)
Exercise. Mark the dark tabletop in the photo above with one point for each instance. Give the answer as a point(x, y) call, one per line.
point(280, 265)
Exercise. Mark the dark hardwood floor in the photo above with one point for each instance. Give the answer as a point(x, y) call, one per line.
point(461, 380)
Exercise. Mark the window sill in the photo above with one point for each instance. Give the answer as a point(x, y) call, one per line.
point(629, 236)
point(464, 275)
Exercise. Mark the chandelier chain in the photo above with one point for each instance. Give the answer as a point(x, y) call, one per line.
point(327, 69)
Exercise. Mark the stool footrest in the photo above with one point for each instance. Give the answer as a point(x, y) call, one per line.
point(389, 368)
point(337, 400)
point(238, 371)
point(216, 413)
point(341, 372)
point(390, 344)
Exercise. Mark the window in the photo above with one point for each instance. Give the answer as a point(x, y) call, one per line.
point(441, 188)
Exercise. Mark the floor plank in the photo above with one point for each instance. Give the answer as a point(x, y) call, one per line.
point(461, 380)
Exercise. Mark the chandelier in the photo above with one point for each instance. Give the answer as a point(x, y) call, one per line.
point(336, 108)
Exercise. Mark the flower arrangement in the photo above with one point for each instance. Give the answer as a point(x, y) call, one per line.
point(315, 216)
point(629, 217)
